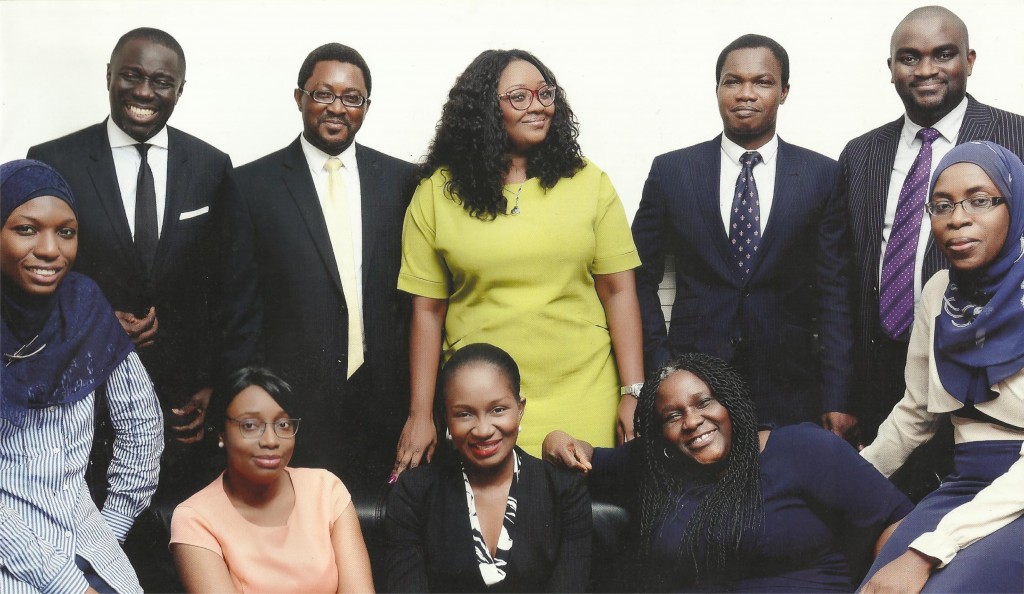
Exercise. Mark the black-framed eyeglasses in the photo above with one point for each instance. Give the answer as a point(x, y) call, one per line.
point(254, 428)
point(327, 98)
point(521, 99)
point(972, 205)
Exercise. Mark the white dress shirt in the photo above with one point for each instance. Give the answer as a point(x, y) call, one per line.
point(906, 152)
point(763, 172)
point(127, 161)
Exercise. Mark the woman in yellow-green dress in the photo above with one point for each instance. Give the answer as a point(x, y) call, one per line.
point(513, 238)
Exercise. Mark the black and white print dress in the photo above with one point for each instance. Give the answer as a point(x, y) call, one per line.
point(493, 568)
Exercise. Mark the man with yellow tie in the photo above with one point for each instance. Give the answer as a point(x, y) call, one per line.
point(311, 251)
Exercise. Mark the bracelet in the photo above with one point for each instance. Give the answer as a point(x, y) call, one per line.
point(632, 389)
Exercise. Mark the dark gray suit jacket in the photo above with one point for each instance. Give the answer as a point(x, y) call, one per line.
point(179, 286)
point(284, 306)
point(865, 168)
point(786, 325)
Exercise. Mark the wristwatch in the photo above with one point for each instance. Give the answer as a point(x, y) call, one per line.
point(632, 389)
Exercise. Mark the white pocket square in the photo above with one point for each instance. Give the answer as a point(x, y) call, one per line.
point(194, 213)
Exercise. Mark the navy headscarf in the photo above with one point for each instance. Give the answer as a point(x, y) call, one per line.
point(71, 338)
point(979, 343)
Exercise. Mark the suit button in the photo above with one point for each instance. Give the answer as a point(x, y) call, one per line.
point(746, 293)
point(341, 361)
point(736, 340)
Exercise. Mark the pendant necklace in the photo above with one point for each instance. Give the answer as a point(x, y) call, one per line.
point(20, 353)
point(515, 209)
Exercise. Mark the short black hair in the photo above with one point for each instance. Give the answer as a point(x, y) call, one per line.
point(152, 35)
point(334, 52)
point(241, 379)
point(487, 354)
point(752, 41)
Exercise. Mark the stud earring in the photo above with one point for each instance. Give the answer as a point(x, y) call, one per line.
point(220, 443)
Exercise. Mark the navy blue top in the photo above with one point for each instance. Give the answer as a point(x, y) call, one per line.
point(824, 507)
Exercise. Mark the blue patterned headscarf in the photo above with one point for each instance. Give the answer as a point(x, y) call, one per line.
point(980, 344)
point(57, 349)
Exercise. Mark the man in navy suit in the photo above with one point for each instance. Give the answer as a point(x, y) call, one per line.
point(758, 247)
point(312, 247)
point(146, 239)
point(929, 62)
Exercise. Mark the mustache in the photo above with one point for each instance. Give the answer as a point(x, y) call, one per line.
point(334, 120)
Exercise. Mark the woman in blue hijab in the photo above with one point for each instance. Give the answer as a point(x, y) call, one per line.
point(966, 359)
point(63, 348)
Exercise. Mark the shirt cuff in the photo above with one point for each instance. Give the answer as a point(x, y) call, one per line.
point(69, 580)
point(936, 545)
point(119, 524)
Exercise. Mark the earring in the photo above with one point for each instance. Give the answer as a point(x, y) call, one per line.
point(220, 443)
point(520, 428)
point(448, 435)
point(664, 451)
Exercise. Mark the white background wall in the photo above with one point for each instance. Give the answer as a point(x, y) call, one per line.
point(243, 58)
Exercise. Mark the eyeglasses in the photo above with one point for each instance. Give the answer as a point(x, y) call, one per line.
point(521, 99)
point(254, 428)
point(327, 98)
point(973, 205)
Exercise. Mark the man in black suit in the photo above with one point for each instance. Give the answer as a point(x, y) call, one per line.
point(311, 253)
point(145, 192)
point(930, 60)
point(774, 305)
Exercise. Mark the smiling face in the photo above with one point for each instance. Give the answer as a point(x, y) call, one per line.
point(39, 244)
point(145, 80)
point(332, 128)
point(262, 460)
point(528, 128)
point(750, 91)
point(692, 420)
point(483, 417)
point(930, 62)
point(969, 241)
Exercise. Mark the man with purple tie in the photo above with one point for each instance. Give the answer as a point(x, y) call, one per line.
point(758, 244)
point(883, 180)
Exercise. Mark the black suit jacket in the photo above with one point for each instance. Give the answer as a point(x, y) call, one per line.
point(430, 544)
point(179, 286)
point(865, 168)
point(284, 306)
point(786, 325)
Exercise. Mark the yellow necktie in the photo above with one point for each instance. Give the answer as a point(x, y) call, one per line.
point(339, 227)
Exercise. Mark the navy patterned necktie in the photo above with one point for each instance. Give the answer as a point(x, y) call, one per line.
point(745, 221)
point(896, 289)
point(146, 229)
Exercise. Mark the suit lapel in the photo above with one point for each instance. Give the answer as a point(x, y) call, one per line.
point(704, 178)
point(104, 179)
point(179, 180)
point(787, 189)
point(299, 182)
point(977, 124)
point(881, 157)
point(369, 176)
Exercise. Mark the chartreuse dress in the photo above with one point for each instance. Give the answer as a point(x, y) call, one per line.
point(525, 283)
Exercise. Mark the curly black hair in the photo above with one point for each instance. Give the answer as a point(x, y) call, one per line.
point(472, 144)
point(734, 504)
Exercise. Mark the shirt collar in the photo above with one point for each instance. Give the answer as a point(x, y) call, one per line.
point(734, 151)
point(119, 138)
point(948, 127)
point(316, 158)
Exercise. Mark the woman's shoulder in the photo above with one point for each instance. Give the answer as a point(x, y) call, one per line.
point(208, 499)
point(560, 479)
point(935, 287)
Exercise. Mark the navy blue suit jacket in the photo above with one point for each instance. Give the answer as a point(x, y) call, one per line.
point(865, 168)
point(786, 326)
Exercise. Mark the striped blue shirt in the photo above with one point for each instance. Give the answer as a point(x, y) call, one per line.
point(46, 514)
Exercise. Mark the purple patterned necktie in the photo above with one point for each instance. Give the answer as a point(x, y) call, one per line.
point(896, 291)
point(745, 222)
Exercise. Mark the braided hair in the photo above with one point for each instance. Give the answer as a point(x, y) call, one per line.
point(712, 540)
point(472, 144)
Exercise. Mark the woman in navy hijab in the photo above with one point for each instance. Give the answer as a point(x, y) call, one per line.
point(63, 348)
point(966, 359)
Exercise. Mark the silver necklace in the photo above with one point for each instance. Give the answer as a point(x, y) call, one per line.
point(515, 209)
point(18, 354)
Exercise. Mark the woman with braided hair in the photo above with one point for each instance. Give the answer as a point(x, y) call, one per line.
point(721, 503)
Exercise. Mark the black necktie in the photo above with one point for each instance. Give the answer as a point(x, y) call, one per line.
point(745, 222)
point(146, 233)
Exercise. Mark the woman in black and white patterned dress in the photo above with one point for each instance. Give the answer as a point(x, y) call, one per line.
point(488, 517)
